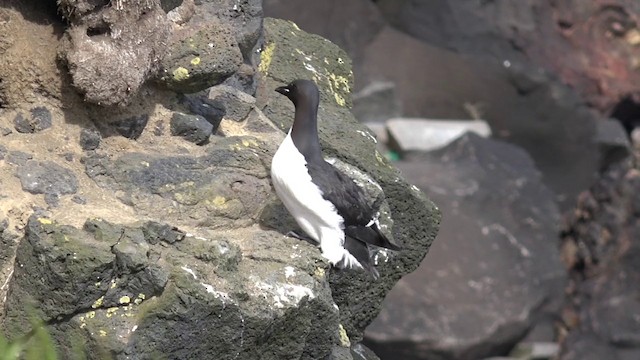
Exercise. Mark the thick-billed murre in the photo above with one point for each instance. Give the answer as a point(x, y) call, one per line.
point(327, 204)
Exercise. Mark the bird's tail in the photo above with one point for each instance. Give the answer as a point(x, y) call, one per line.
point(371, 235)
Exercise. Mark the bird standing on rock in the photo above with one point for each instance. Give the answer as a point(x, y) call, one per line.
point(327, 204)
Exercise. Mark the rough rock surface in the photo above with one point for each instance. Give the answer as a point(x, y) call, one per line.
point(193, 128)
point(113, 47)
point(495, 268)
point(591, 35)
point(601, 244)
point(39, 120)
point(170, 240)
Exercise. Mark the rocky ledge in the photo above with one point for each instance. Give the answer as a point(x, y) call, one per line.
point(141, 222)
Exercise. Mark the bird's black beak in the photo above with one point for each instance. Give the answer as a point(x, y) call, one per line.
point(284, 90)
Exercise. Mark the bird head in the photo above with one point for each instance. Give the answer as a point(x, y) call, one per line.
point(300, 91)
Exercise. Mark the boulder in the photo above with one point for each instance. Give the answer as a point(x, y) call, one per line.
point(601, 244)
point(111, 49)
point(495, 268)
point(193, 128)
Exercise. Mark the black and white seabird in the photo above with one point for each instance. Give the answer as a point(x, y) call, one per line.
point(327, 204)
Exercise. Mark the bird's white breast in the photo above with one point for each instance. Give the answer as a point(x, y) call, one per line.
point(315, 215)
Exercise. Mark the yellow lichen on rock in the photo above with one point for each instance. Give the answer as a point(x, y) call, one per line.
point(180, 74)
point(344, 338)
point(45, 221)
point(111, 311)
point(98, 303)
point(219, 201)
point(124, 300)
point(195, 61)
point(265, 58)
point(139, 299)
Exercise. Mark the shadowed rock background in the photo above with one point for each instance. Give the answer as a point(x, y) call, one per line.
point(534, 257)
point(137, 217)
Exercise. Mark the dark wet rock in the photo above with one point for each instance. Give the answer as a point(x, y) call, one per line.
point(39, 120)
point(410, 211)
point(495, 267)
point(90, 139)
point(18, 157)
point(131, 127)
point(193, 128)
point(46, 177)
point(107, 70)
point(200, 104)
point(236, 103)
point(601, 244)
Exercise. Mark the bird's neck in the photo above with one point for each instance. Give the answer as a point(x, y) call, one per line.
point(304, 131)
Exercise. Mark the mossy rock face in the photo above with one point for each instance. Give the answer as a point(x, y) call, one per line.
point(114, 289)
point(290, 53)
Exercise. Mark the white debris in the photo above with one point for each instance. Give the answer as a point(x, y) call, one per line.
point(185, 268)
point(289, 271)
point(284, 294)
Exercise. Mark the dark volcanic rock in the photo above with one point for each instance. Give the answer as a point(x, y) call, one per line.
point(236, 103)
point(601, 246)
point(111, 49)
point(201, 57)
point(495, 264)
point(39, 120)
point(200, 104)
point(18, 157)
point(46, 177)
point(90, 139)
point(192, 128)
point(131, 127)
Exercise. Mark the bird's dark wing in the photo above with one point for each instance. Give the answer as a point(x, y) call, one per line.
point(348, 198)
point(370, 235)
point(351, 203)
